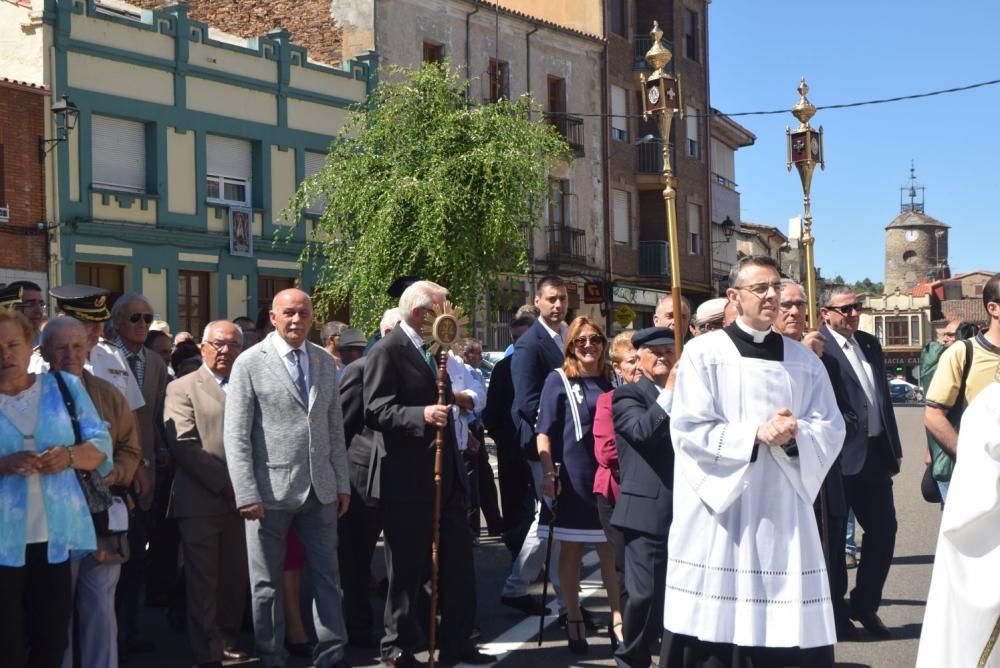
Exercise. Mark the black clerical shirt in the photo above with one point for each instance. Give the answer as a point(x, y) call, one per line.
point(772, 348)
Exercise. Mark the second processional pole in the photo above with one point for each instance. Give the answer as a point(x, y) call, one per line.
point(805, 151)
point(442, 332)
point(661, 96)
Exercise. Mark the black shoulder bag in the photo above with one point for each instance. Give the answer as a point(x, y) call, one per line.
point(95, 491)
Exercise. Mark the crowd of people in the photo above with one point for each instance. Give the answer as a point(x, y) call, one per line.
point(718, 488)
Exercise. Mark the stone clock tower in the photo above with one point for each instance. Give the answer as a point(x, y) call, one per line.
point(916, 245)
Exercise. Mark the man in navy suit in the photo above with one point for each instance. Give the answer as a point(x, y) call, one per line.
point(645, 505)
point(536, 354)
point(871, 454)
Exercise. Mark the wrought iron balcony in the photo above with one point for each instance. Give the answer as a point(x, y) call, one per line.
point(566, 244)
point(570, 127)
point(653, 258)
point(641, 44)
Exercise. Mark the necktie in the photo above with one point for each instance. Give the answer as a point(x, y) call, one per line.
point(429, 358)
point(300, 380)
point(224, 384)
point(133, 363)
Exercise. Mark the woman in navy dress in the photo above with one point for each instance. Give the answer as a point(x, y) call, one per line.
point(565, 435)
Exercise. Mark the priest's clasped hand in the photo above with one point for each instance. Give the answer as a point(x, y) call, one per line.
point(779, 430)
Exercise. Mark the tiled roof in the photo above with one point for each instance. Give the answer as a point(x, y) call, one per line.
point(921, 290)
point(914, 219)
point(967, 310)
point(23, 85)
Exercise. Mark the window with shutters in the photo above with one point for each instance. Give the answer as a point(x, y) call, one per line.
point(229, 170)
point(617, 10)
point(692, 39)
point(314, 163)
point(192, 300)
point(622, 220)
point(619, 113)
point(695, 245)
point(433, 53)
point(693, 127)
point(4, 208)
point(118, 147)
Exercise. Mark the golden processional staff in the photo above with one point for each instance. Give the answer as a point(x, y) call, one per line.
point(441, 331)
point(805, 150)
point(662, 96)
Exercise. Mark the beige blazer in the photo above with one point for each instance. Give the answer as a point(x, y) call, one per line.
point(193, 417)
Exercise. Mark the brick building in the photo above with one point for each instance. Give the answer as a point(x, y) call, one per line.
point(22, 194)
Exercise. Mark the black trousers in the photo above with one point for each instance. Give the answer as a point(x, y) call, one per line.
point(358, 532)
point(130, 597)
point(517, 492)
point(482, 489)
point(616, 539)
point(408, 529)
point(836, 568)
point(869, 494)
point(680, 651)
point(646, 581)
point(36, 601)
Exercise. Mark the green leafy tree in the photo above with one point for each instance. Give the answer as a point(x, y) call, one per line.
point(422, 181)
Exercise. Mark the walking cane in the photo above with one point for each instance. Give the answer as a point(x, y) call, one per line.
point(548, 558)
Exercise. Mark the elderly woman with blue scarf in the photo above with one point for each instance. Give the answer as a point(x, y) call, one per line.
point(43, 512)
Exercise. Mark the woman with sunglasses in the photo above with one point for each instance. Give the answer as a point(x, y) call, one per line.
point(565, 434)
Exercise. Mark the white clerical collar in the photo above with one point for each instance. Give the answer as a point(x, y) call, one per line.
point(757, 335)
point(415, 338)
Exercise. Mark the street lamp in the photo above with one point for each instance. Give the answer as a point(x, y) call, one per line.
point(728, 229)
point(66, 114)
point(662, 96)
point(805, 150)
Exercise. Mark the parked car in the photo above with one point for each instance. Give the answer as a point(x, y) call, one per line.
point(901, 390)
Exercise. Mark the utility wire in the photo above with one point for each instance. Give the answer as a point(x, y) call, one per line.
point(846, 105)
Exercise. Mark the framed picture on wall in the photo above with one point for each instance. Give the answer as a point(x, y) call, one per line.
point(240, 231)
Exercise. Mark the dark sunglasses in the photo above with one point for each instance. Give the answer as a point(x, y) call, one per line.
point(847, 309)
point(145, 317)
point(593, 340)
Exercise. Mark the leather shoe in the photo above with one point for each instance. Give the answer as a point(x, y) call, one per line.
point(402, 660)
point(872, 624)
point(526, 604)
point(473, 657)
point(234, 654)
point(846, 631)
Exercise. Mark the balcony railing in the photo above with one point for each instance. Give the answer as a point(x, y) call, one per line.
point(653, 258)
point(723, 181)
point(642, 44)
point(570, 127)
point(566, 244)
point(649, 157)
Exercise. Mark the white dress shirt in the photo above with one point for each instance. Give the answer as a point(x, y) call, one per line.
point(285, 350)
point(863, 370)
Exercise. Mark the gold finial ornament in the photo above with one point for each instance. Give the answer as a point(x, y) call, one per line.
point(805, 151)
point(662, 96)
point(442, 328)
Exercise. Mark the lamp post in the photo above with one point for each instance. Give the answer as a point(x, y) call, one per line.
point(662, 96)
point(805, 150)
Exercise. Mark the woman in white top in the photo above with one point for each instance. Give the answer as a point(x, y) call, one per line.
point(43, 512)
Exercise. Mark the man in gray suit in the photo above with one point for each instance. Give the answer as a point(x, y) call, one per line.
point(215, 560)
point(284, 441)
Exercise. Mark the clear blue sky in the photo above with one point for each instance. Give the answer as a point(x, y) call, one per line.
point(854, 51)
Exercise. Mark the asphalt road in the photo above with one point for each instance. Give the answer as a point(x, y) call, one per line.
point(508, 634)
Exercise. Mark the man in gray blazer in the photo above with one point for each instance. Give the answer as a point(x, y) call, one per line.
point(284, 441)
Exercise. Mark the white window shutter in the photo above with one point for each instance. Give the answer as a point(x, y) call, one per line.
point(619, 109)
point(229, 157)
point(621, 218)
point(119, 153)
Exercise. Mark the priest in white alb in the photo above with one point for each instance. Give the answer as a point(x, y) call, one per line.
point(755, 428)
point(962, 620)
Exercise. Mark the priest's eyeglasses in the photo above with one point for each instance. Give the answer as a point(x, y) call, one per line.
point(761, 289)
point(847, 309)
point(223, 345)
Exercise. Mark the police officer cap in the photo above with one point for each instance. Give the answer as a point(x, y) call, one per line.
point(653, 336)
point(400, 284)
point(83, 302)
point(10, 296)
point(353, 337)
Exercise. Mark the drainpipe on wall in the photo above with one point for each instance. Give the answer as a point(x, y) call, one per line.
point(468, 56)
point(605, 132)
point(527, 52)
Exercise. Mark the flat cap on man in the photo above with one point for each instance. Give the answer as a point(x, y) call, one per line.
point(653, 336)
point(10, 296)
point(711, 311)
point(83, 302)
point(352, 337)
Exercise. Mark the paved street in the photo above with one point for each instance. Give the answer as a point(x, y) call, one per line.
point(505, 633)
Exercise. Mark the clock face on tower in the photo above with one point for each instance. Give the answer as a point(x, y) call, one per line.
point(911, 235)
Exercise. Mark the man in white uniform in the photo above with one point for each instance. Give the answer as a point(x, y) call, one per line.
point(962, 620)
point(755, 428)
